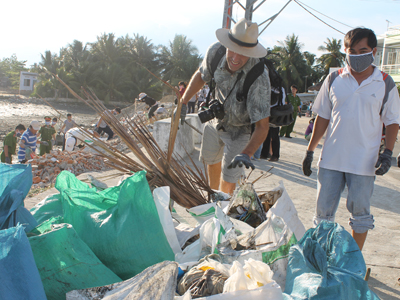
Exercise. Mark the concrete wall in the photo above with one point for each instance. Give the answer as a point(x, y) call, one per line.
point(186, 137)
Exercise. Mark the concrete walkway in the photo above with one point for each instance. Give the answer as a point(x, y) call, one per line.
point(381, 251)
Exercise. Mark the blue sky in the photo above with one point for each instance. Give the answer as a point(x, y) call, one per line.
point(29, 28)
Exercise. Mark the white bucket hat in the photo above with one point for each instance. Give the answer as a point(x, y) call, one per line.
point(242, 39)
point(142, 95)
point(35, 125)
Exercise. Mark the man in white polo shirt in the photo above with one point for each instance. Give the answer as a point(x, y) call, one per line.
point(352, 105)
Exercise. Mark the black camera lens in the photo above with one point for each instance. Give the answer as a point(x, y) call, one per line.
point(206, 115)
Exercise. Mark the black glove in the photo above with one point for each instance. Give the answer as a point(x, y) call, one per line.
point(8, 160)
point(307, 163)
point(240, 160)
point(384, 162)
point(183, 113)
point(44, 143)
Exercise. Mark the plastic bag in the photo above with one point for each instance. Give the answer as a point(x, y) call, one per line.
point(49, 207)
point(205, 212)
point(66, 263)
point(120, 224)
point(238, 280)
point(15, 183)
point(156, 282)
point(327, 261)
point(19, 277)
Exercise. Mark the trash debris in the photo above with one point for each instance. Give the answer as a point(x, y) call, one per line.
point(96, 183)
point(246, 206)
point(157, 282)
point(15, 183)
point(19, 276)
point(66, 263)
point(46, 168)
point(327, 261)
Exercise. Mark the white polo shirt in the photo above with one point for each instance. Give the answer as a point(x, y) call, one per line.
point(355, 128)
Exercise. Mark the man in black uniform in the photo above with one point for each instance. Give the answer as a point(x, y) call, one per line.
point(151, 103)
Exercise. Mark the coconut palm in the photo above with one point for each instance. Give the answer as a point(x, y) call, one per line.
point(180, 60)
point(292, 65)
point(334, 58)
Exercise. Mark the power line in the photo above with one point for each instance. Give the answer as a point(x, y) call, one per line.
point(326, 15)
point(318, 18)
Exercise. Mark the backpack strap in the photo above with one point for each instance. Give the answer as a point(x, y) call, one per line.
point(212, 67)
point(256, 71)
point(333, 76)
point(389, 85)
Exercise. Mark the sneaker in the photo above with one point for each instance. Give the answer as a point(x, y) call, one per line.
point(273, 158)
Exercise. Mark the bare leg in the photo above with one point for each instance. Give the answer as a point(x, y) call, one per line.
point(359, 238)
point(227, 187)
point(214, 175)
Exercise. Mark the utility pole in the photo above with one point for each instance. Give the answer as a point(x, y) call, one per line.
point(250, 7)
point(305, 84)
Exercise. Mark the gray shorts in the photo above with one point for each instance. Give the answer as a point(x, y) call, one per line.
point(330, 186)
point(218, 146)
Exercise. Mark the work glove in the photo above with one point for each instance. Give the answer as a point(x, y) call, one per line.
point(28, 152)
point(384, 162)
point(183, 113)
point(44, 143)
point(8, 160)
point(240, 160)
point(307, 163)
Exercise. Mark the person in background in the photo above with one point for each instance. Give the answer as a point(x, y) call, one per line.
point(54, 122)
point(102, 126)
point(28, 142)
point(295, 101)
point(272, 141)
point(200, 98)
point(161, 110)
point(309, 129)
point(47, 134)
point(68, 124)
point(10, 144)
point(152, 105)
point(192, 104)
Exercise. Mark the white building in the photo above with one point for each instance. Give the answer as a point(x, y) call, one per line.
point(387, 57)
point(27, 81)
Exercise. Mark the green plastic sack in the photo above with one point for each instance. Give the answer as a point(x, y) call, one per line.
point(47, 208)
point(120, 224)
point(65, 263)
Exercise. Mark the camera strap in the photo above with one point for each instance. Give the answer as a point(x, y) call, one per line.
point(237, 80)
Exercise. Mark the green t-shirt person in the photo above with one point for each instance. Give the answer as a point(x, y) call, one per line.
point(10, 144)
point(295, 101)
point(47, 133)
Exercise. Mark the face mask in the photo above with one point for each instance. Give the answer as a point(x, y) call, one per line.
point(53, 123)
point(47, 122)
point(114, 113)
point(359, 63)
point(18, 134)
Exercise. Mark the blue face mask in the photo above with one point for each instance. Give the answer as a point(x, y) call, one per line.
point(53, 123)
point(47, 122)
point(18, 134)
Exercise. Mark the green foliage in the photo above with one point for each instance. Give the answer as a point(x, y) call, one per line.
point(11, 68)
point(334, 58)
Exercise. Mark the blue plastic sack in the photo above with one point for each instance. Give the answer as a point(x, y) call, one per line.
point(15, 183)
point(327, 264)
point(19, 275)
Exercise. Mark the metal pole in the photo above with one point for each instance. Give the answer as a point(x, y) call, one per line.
point(248, 15)
point(227, 17)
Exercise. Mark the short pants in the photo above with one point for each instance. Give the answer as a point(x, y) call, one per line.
point(218, 146)
point(330, 186)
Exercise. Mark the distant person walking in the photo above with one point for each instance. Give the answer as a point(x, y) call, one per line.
point(10, 144)
point(192, 104)
point(68, 124)
point(309, 129)
point(295, 101)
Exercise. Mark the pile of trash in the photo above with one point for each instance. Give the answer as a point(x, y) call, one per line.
point(124, 242)
point(46, 168)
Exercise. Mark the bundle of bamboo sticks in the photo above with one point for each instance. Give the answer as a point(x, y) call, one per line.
point(189, 187)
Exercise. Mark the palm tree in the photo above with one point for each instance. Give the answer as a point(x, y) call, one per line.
point(292, 65)
point(180, 60)
point(334, 58)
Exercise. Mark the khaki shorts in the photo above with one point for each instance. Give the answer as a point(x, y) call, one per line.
point(218, 146)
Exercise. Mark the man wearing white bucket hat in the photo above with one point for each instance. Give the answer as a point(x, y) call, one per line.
point(227, 144)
